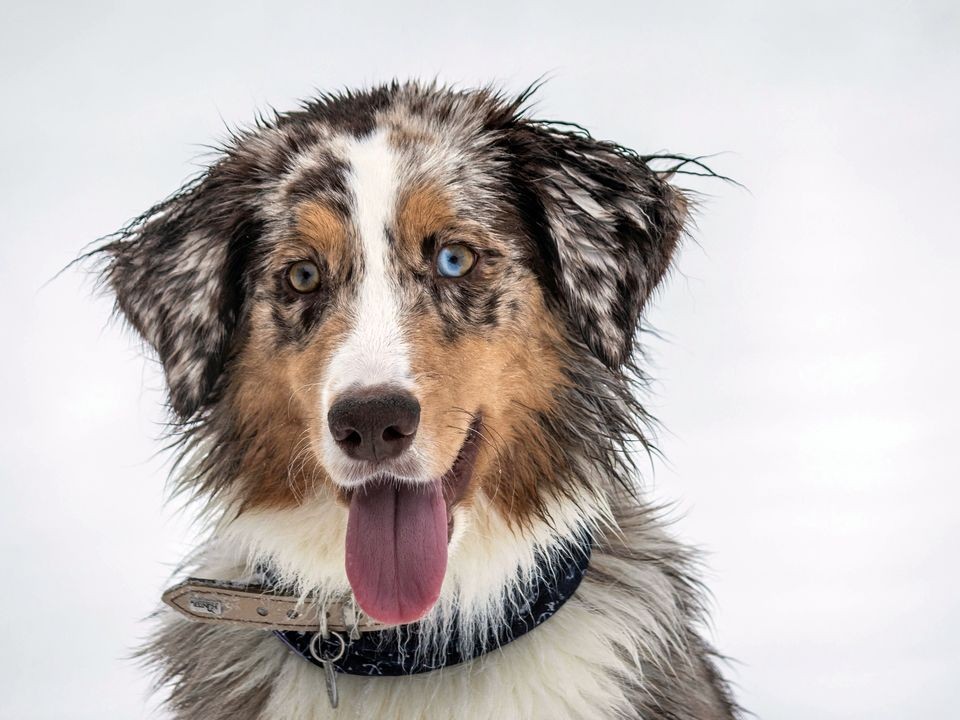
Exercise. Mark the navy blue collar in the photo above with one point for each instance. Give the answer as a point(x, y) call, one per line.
point(395, 652)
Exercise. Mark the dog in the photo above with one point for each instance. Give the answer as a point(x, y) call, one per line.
point(398, 330)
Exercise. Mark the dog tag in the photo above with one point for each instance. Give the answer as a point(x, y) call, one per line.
point(326, 662)
point(330, 675)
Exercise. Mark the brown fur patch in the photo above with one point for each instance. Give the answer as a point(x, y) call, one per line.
point(510, 378)
point(275, 400)
point(325, 231)
point(422, 211)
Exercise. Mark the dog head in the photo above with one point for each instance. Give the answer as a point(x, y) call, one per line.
point(408, 304)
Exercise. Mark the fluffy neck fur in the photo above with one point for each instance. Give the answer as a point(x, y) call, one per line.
point(625, 646)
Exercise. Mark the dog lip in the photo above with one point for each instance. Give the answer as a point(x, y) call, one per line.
point(457, 479)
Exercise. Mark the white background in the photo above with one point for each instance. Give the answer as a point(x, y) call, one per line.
point(808, 367)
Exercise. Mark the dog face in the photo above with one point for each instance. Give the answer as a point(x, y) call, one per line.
point(387, 299)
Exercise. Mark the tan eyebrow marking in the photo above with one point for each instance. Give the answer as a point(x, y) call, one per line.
point(326, 231)
point(423, 210)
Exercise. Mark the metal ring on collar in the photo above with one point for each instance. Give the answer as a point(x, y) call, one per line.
point(315, 648)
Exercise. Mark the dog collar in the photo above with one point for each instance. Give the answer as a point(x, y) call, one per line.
point(340, 639)
point(393, 651)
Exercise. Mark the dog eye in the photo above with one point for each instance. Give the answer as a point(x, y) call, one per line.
point(455, 261)
point(304, 276)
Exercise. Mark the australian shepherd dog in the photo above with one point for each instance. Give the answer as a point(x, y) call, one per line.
point(398, 333)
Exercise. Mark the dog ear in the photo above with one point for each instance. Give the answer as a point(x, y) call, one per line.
point(176, 272)
point(612, 224)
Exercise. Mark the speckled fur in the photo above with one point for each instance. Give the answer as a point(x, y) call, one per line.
point(579, 232)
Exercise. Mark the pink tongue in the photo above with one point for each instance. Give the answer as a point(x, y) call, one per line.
point(397, 549)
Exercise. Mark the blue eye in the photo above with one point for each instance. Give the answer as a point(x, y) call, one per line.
point(455, 261)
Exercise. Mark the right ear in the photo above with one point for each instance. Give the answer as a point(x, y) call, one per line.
point(177, 273)
point(609, 225)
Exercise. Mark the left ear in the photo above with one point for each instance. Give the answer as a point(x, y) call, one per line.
point(613, 225)
point(177, 273)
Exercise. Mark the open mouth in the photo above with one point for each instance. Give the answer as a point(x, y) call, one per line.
point(397, 538)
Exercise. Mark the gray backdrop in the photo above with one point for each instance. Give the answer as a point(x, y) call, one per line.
point(807, 371)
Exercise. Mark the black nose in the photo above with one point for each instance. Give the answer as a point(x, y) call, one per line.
point(374, 424)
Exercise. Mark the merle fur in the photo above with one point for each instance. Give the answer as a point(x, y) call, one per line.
point(545, 173)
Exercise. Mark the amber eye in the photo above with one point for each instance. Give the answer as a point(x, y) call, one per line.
point(455, 261)
point(304, 276)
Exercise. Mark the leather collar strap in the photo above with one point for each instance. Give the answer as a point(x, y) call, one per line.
point(258, 605)
point(357, 645)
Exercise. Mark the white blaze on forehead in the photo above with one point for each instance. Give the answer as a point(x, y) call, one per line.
point(375, 352)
